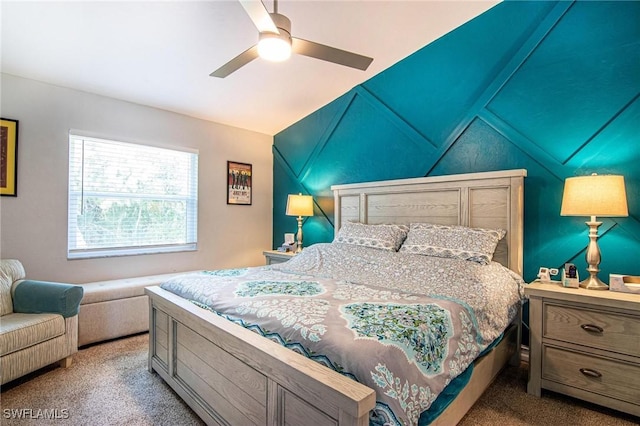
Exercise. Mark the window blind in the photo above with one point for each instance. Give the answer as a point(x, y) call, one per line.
point(127, 199)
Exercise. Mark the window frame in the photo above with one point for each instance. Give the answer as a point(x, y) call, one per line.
point(190, 199)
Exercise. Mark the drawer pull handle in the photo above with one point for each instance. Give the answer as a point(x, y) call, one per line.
point(591, 373)
point(592, 328)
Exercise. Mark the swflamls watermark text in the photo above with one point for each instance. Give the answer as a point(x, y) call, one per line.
point(30, 413)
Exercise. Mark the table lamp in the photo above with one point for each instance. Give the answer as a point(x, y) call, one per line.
point(299, 205)
point(595, 195)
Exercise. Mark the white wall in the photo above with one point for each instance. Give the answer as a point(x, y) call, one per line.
point(33, 225)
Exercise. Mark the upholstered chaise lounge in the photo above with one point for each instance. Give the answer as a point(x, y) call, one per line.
point(39, 322)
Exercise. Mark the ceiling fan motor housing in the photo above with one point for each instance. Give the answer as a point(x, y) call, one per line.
point(284, 26)
point(282, 22)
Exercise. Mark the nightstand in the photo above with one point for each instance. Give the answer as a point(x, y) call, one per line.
point(275, 256)
point(585, 344)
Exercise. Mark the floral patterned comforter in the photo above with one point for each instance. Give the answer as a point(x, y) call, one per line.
point(402, 324)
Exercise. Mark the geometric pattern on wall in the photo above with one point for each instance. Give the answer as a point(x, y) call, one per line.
point(550, 87)
point(578, 56)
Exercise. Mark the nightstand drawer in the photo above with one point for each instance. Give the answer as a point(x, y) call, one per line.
point(598, 329)
point(602, 376)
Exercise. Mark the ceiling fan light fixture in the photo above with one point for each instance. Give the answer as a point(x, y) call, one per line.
point(274, 47)
point(276, 44)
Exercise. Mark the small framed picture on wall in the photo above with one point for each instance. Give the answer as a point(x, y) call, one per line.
point(9, 157)
point(239, 183)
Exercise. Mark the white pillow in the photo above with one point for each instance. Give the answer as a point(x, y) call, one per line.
point(383, 236)
point(453, 241)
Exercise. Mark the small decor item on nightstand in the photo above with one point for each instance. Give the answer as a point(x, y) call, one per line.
point(289, 243)
point(570, 276)
point(289, 238)
point(545, 274)
point(624, 283)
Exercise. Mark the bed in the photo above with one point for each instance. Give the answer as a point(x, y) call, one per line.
point(231, 370)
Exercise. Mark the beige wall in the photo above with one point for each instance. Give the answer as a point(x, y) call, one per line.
point(33, 225)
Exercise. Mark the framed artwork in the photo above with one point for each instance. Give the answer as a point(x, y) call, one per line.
point(9, 157)
point(239, 183)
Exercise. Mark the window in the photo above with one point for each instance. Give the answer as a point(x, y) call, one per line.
point(127, 199)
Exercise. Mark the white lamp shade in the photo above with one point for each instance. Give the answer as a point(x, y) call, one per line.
point(274, 47)
point(595, 195)
point(299, 205)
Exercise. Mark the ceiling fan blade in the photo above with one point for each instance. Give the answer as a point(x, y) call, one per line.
point(259, 15)
point(330, 54)
point(236, 63)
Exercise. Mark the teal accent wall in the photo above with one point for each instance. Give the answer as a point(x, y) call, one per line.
point(550, 87)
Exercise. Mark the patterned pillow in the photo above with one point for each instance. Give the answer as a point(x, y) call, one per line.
point(385, 237)
point(454, 241)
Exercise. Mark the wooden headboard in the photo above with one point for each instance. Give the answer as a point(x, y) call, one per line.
point(479, 200)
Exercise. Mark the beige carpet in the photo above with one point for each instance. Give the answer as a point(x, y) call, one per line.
point(108, 384)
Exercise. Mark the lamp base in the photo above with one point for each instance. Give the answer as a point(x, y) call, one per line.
point(593, 258)
point(593, 283)
point(299, 236)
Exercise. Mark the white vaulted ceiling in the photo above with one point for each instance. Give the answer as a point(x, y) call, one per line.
point(160, 53)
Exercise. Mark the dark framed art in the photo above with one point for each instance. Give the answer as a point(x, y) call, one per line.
point(239, 183)
point(9, 157)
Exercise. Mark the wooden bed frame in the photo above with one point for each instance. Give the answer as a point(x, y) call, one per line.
point(230, 375)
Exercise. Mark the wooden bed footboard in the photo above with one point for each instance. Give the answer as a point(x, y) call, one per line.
point(232, 376)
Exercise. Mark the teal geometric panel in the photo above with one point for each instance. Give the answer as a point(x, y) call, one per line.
point(297, 142)
point(584, 72)
point(386, 150)
point(551, 87)
point(450, 80)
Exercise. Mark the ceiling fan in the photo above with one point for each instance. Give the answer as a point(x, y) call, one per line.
point(275, 43)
